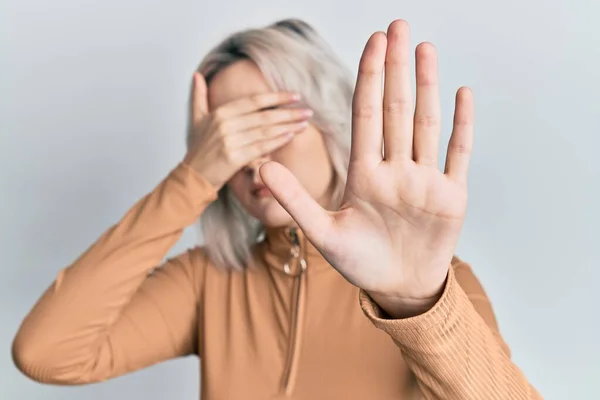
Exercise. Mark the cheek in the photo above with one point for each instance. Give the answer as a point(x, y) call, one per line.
point(309, 142)
point(238, 186)
point(307, 158)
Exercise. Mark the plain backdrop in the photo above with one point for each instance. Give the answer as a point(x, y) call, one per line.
point(93, 101)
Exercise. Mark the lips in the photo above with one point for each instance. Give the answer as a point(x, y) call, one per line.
point(261, 191)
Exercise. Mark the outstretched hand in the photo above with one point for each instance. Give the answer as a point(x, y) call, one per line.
point(400, 219)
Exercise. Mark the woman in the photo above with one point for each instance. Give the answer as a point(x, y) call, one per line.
point(260, 303)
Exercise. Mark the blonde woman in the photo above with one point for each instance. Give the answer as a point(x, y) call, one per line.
point(304, 236)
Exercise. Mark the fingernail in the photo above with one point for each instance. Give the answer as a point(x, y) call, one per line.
point(308, 112)
point(296, 96)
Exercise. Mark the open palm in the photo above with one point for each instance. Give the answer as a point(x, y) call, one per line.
point(400, 219)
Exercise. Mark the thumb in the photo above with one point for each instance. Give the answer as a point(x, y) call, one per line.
point(313, 219)
point(199, 106)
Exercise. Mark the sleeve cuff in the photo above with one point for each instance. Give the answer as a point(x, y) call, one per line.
point(439, 320)
point(201, 188)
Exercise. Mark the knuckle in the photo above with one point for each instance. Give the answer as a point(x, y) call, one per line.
point(295, 196)
point(368, 70)
point(396, 106)
point(265, 117)
point(462, 122)
point(458, 147)
point(426, 121)
point(269, 131)
point(396, 62)
point(363, 111)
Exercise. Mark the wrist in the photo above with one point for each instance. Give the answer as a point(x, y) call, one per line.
point(213, 178)
point(400, 307)
point(215, 181)
point(404, 308)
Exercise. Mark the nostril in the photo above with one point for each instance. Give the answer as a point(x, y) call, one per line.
point(248, 171)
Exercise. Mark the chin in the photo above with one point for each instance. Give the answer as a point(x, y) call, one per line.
point(272, 215)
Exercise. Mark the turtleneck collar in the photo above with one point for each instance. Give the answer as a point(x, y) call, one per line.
point(278, 247)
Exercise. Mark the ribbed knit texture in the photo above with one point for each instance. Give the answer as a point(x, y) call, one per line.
point(119, 308)
point(452, 352)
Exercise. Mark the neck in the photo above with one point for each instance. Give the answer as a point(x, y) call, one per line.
point(279, 240)
point(326, 200)
point(279, 245)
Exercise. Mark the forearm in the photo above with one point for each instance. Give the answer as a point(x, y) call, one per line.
point(451, 350)
point(88, 296)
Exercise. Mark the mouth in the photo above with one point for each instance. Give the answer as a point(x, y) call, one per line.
point(261, 191)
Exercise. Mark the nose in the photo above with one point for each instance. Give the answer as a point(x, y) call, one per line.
point(253, 166)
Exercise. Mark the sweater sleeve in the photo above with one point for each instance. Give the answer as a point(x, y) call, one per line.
point(455, 349)
point(112, 311)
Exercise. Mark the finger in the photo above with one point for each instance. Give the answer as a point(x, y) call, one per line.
point(268, 132)
point(259, 148)
point(461, 140)
point(427, 110)
point(397, 99)
point(199, 97)
point(313, 219)
point(254, 103)
point(366, 103)
point(270, 117)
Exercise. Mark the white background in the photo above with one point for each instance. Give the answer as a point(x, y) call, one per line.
point(92, 115)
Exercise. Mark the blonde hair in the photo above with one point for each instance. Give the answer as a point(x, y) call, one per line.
point(291, 56)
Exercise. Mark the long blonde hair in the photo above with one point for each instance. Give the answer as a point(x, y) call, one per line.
point(292, 56)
